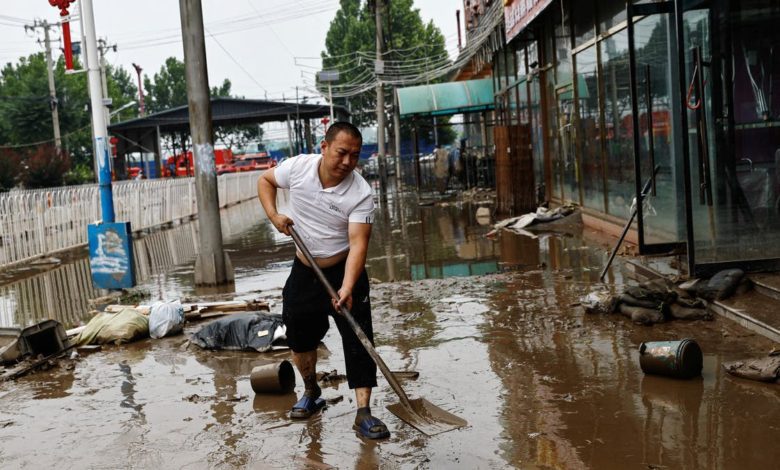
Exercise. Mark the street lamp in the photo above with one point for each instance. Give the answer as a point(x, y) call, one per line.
point(141, 109)
point(329, 76)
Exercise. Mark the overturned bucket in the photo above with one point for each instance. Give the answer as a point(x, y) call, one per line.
point(273, 378)
point(680, 359)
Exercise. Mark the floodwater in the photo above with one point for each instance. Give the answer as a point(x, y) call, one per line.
point(493, 327)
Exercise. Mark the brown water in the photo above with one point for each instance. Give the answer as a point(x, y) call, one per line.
point(541, 383)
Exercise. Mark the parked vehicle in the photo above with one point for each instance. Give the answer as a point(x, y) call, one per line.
point(183, 164)
point(261, 161)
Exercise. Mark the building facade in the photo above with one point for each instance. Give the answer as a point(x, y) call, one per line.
point(680, 96)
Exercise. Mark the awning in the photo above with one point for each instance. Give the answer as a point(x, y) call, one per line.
point(445, 99)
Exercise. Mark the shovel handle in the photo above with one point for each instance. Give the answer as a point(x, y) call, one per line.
point(352, 323)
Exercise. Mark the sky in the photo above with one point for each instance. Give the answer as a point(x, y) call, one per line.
point(254, 43)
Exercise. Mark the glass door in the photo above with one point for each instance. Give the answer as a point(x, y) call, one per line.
point(658, 169)
point(731, 66)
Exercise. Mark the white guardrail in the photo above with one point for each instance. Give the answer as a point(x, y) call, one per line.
point(37, 223)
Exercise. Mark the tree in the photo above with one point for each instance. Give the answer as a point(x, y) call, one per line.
point(25, 113)
point(169, 90)
point(407, 39)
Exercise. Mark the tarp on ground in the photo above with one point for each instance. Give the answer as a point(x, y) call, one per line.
point(257, 331)
point(443, 99)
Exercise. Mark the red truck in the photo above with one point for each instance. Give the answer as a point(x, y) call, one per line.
point(182, 164)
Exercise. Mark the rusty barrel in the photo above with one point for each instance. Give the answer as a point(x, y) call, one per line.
point(680, 359)
point(278, 377)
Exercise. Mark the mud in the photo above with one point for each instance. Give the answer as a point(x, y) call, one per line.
point(494, 329)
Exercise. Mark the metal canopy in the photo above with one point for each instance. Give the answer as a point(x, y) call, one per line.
point(444, 99)
point(226, 111)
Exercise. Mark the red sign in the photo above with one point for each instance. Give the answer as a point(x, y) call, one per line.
point(519, 13)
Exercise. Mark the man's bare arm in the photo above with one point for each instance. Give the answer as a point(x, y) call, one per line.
point(266, 192)
point(359, 235)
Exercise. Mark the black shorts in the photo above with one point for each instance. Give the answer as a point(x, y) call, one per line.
point(305, 311)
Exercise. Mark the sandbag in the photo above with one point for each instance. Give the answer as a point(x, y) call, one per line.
point(258, 331)
point(122, 327)
point(721, 286)
point(165, 318)
point(765, 369)
point(645, 316)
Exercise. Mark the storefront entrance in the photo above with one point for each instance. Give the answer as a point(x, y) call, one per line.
point(706, 130)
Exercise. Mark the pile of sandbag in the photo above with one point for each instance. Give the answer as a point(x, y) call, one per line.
point(661, 300)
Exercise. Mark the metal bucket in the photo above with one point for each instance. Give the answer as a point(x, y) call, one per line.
point(680, 359)
point(273, 378)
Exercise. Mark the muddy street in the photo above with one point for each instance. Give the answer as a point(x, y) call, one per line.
point(492, 325)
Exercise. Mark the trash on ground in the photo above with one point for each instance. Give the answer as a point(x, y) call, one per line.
point(276, 377)
point(258, 331)
point(42, 339)
point(566, 216)
point(763, 369)
point(123, 327)
point(679, 359)
point(165, 318)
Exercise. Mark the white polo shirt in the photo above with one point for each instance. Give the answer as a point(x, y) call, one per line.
point(321, 215)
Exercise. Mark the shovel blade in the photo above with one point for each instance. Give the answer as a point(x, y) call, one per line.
point(426, 417)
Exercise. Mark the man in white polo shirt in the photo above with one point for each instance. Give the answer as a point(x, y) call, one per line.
point(332, 208)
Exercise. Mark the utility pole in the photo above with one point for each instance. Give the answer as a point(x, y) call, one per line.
point(55, 116)
point(212, 266)
point(103, 47)
point(397, 135)
point(380, 104)
point(141, 107)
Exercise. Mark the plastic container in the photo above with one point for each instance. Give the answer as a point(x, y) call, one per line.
point(273, 378)
point(679, 359)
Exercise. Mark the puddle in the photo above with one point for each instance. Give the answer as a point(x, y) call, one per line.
point(491, 325)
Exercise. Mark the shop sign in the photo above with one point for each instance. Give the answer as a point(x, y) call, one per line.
point(519, 13)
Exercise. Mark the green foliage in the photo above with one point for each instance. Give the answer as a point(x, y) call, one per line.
point(25, 112)
point(9, 169)
point(80, 173)
point(168, 89)
point(406, 38)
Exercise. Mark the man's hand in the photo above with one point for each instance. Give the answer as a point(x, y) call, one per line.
point(282, 223)
point(345, 299)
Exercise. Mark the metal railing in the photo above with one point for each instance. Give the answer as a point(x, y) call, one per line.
point(41, 222)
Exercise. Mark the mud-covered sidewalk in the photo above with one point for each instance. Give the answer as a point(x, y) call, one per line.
point(541, 383)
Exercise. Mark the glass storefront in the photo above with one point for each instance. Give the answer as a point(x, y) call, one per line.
point(599, 101)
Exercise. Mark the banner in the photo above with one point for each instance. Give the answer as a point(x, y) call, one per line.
point(519, 13)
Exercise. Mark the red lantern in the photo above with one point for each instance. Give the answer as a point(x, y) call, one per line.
point(63, 7)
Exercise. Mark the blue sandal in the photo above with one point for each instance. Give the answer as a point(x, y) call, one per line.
point(306, 407)
point(372, 428)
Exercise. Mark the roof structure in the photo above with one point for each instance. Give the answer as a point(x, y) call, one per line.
point(227, 111)
point(443, 99)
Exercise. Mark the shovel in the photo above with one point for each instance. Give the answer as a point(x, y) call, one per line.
point(419, 413)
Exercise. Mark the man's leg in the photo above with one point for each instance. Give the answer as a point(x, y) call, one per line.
point(306, 363)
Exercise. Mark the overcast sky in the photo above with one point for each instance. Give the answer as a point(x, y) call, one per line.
point(255, 42)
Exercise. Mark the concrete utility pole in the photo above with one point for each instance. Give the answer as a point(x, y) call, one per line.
point(212, 266)
point(397, 135)
point(103, 47)
point(380, 104)
point(55, 116)
point(141, 108)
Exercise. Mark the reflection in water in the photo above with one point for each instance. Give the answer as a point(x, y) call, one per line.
point(63, 293)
